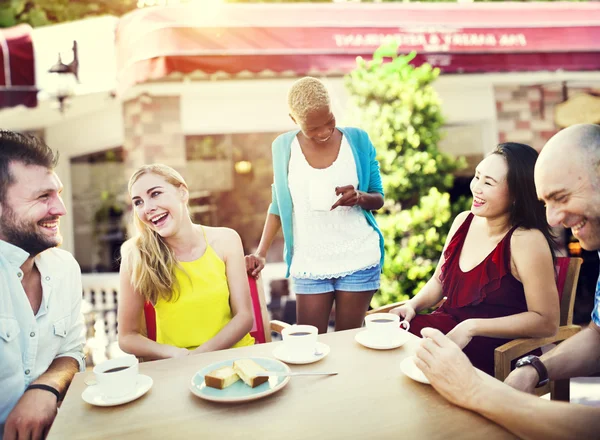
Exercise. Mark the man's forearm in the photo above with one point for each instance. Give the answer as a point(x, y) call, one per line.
point(577, 356)
point(533, 418)
point(59, 374)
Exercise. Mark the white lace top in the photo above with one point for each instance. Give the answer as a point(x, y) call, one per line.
point(328, 244)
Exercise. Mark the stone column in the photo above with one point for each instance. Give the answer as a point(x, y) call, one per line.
point(153, 133)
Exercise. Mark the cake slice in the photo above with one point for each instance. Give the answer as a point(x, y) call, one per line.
point(221, 378)
point(247, 370)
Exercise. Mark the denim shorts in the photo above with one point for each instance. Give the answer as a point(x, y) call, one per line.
point(360, 281)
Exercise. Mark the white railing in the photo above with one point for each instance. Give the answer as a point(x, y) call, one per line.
point(100, 292)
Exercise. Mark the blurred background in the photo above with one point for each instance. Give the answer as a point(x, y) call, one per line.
point(201, 86)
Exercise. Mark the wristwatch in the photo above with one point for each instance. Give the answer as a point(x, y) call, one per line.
point(536, 363)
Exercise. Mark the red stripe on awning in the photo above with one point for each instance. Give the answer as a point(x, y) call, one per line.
point(303, 38)
point(459, 63)
point(17, 69)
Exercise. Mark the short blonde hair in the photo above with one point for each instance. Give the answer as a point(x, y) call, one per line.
point(306, 95)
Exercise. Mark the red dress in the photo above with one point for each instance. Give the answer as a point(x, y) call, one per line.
point(487, 291)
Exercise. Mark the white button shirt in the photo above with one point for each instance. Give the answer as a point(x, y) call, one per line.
point(28, 343)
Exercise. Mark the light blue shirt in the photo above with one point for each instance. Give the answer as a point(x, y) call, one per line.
point(28, 343)
point(369, 180)
point(596, 311)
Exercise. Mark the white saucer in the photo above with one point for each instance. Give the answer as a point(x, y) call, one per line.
point(409, 368)
point(366, 338)
point(93, 396)
point(283, 354)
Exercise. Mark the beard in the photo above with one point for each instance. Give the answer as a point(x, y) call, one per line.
point(26, 235)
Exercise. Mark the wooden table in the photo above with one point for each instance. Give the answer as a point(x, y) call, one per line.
point(370, 398)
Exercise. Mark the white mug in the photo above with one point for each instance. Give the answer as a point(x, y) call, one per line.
point(300, 340)
point(385, 325)
point(117, 377)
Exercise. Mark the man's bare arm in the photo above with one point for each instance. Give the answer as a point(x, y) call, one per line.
point(59, 374)
point(533, 418)
point(529, 417)
point(577, 356)
point(35, 411)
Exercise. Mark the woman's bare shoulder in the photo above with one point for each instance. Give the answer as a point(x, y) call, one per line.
point(222, 238)
point(529, 243)
point(527, 237)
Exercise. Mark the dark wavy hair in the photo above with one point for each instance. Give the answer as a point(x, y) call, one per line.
point(526, 211)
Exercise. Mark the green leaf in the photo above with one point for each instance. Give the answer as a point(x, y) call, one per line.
point(387, 50)
point(7, 17)
point(18, 6)
point(36, 17)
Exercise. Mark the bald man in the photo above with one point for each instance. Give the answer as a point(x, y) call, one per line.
point(567, 177)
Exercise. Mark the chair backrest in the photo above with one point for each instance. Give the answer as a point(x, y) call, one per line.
point(150, 319)
point(567, 275)
point(261, 330)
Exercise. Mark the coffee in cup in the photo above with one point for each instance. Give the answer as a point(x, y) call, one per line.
point(385, 326)
point(117, 377)
point(300, 340)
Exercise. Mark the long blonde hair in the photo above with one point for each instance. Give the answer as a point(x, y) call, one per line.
point(146, 256)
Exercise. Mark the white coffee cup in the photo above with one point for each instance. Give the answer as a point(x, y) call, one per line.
point(321, 195)
point(117, 377)
point(300, 340)
point(385, 325)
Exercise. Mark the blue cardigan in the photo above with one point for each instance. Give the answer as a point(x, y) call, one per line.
point(369, 180)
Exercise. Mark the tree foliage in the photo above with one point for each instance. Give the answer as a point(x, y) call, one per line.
point(43, 12)
point(398, 106)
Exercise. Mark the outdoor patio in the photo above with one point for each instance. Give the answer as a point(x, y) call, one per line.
point(201, 87)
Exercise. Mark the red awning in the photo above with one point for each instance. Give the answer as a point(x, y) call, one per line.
point(17, 71)
point(326, 38)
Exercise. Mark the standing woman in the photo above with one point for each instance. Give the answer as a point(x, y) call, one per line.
point(326, 183)
point(194, 275)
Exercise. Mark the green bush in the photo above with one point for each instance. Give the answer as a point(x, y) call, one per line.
point(401, 111)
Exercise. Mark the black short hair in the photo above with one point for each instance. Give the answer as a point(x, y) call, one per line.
point(23, 148)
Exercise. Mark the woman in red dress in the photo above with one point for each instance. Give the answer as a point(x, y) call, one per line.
point(496, 270)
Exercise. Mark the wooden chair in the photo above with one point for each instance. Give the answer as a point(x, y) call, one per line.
point(567, 275)
point(261, 329)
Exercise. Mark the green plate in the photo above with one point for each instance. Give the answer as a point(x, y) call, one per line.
point(239, 391)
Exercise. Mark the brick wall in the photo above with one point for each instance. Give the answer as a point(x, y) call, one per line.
point(526, 113)
point(153, 132)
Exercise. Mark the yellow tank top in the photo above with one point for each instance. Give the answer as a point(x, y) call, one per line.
point(202, 308)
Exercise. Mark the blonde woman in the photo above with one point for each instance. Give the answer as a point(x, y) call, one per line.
point(326, 184)
point(193, 275)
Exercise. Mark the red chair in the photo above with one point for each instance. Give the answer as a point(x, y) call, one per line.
point(261, 329)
